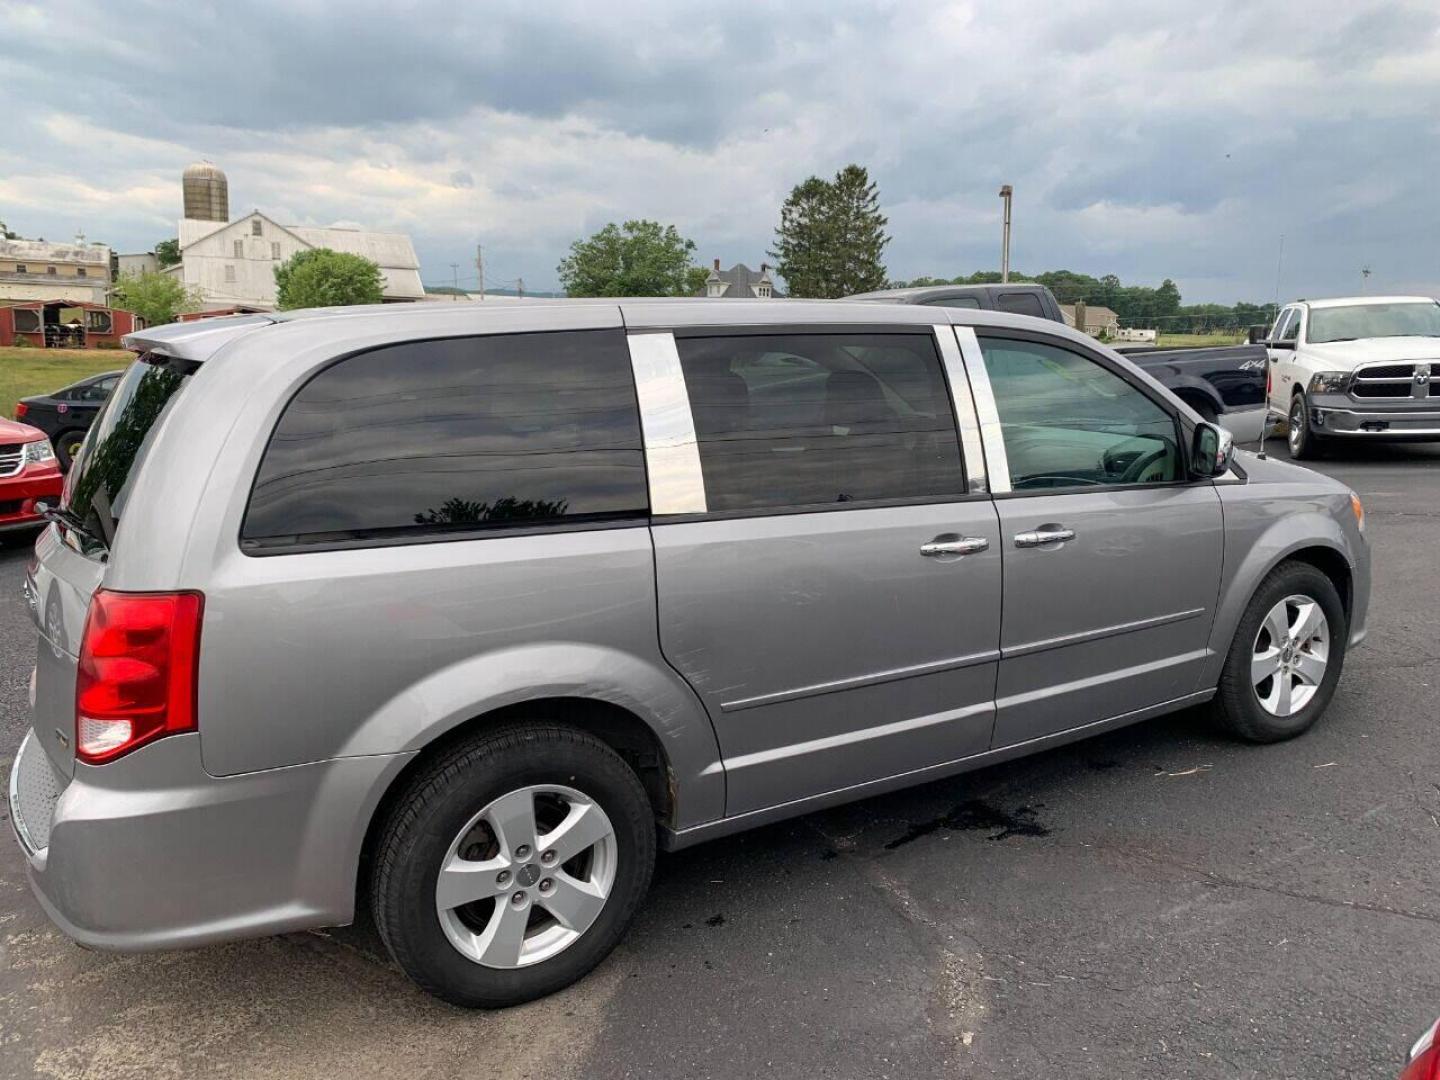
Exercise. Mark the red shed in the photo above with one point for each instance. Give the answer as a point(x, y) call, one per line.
point(39, 323)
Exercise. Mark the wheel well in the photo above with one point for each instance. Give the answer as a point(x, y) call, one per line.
point(1333, 565)
point(618, 728)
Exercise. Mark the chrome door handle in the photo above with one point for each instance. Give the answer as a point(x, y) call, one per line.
point(1045, 534)
point(950, 544)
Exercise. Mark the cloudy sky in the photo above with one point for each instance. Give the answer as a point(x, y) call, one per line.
point(1146, 139)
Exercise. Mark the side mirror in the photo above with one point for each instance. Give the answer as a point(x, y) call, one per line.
point(1256, 334)
point(1211, 451)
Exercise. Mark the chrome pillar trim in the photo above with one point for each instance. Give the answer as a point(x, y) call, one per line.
point(672, 455)
point(963, 402)
point(997, 464)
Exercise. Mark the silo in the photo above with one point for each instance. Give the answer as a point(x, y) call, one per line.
point(207, 193)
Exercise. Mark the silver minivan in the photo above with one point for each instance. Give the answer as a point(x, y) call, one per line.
point(460, 611)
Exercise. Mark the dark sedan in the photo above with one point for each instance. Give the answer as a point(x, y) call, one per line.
point(66, 414)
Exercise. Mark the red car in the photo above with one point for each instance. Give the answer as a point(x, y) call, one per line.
point(1424, 1057)
point(28, 471)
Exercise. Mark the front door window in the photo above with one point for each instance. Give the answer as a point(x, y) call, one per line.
point(1069, 422)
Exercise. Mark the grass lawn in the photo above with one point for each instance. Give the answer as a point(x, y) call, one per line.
point(1202, 341)
point(35, 371)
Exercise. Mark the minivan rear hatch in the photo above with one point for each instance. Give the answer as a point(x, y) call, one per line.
point(71, 556)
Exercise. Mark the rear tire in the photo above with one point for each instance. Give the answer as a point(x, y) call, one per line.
point(1305, 445)
point(67, 444)
point(466, 810)
point(1273, 637)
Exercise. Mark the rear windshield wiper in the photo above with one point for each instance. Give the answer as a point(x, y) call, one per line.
point(71, 521)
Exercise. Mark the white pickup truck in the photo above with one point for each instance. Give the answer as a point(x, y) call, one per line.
point(1356, 367)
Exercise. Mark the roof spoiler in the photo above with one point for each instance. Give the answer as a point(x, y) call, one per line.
point(195, 341)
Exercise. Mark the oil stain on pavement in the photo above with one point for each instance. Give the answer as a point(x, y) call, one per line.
point(976, 815)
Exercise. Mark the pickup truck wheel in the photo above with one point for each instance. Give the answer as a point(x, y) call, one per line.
point(1304, 443)
point(512, 864)
point(1286, 657)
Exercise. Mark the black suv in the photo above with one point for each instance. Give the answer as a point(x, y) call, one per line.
point(66, 414)
point(1017, 298)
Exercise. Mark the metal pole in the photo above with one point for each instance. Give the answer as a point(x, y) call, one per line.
point(1279, 264)
point(1005, 193)
point(480, 269)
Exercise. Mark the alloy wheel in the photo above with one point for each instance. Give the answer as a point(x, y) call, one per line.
point(527, 876)
point(1297, 425)
point(1290, 655)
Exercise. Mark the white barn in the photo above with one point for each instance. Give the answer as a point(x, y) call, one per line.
point(232, 264)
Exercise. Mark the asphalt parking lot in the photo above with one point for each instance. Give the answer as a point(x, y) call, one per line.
point(1158, 902)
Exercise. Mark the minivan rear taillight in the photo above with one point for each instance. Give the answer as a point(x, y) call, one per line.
point(136, 679)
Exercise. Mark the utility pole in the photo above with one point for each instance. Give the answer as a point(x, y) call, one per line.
point(520, 288)
point(1365, 279)
point(480, 269)
point(1005, 193)
point(1279, 263)
point(455, 276)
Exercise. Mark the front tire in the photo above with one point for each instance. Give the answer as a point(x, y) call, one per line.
point(1305, 445)
point(1286, 657)
point(67, 445)
point(512, 864)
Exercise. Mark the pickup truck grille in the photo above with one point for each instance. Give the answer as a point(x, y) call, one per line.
point(1392, 381)
point(12, 457)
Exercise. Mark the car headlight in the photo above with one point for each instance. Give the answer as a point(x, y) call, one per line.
point(38, 451)
point(1329, 382)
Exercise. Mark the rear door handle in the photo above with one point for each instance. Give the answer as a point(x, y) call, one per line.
point(1045, 534)
point(950, 544)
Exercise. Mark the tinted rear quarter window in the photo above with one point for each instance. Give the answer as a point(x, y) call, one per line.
point(1020, 303)
point(101, 478)
point(437, 437)
point(820, 420)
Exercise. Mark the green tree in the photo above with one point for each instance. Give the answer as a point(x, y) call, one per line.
point(157, 298)
point(167, 252)
point(805, 240)
point(831, 237)
point(321, 277)
point(639, 258)
point(1167, 298)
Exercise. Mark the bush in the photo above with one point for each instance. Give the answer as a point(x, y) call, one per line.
point(321, 277)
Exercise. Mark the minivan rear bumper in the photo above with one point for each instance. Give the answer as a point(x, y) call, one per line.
point(150, 852)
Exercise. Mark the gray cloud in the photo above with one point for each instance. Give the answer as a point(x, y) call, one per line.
point(1141, 140)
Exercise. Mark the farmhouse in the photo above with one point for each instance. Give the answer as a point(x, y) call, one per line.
point(1099, 321)
point(232, 263)
point(739, 283)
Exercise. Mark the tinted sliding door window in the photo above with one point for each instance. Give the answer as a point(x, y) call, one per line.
point(820, 420)
point(1021, 303)
point(455, 435)
point(1069, 422)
